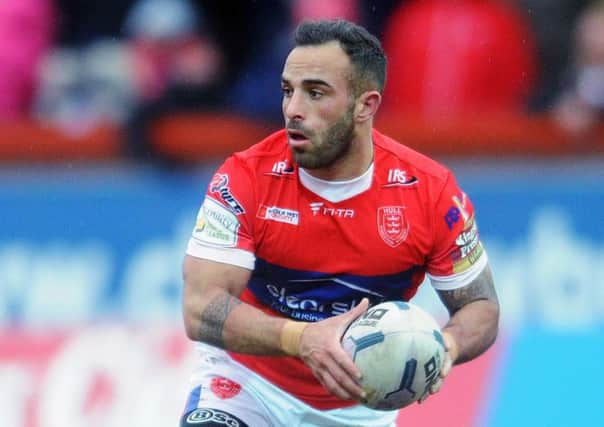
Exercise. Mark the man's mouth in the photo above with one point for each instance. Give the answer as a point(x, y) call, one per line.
point(296, 137)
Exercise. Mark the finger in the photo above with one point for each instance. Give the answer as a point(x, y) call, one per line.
point(346, 364)
point(343, 358)
point(436, 385)
point(334, 378)
point(344, 378)
point(446, 367)
point(355, 312)
point(330, 383)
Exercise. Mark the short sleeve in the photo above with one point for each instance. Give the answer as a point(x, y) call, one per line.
point(223, 230)
point(458, 255)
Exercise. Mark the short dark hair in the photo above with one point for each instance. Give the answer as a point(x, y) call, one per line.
point(363, 49)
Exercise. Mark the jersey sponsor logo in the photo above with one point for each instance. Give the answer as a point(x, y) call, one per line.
point(392, 225)
point(224, 388)
point(468, 236)
point(275, 213)
point(316, 208)
point(310, 307)
point(216, 225)
point(220, 185)
point(312, 295)
point(469, 247)
point(304, 307)
point(457, 211)
point(399, 178)
point(460, 201)
point(452, 216)
point(319, 208)
point(470, 258)
point(214, 416)
point(281, 168)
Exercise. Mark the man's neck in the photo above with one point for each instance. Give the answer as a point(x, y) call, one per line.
point(354, 163)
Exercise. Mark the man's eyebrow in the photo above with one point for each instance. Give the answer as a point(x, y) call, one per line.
point(315, 82)
point(309, 82)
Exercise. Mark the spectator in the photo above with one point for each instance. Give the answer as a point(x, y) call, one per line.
point(169, 48)
point(84, 87)
point(176, 64)
point(166, 62)
point(26, 31)
point(580, 108)
point(85, 80)
point(451, 58)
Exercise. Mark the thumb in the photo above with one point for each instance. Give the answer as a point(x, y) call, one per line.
point(357, 311)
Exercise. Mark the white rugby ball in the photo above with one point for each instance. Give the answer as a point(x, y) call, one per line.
point(399, 349)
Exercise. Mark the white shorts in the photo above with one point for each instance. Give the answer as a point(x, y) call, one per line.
point(228, 393)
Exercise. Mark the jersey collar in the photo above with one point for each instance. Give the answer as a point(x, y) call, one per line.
point(336, 191)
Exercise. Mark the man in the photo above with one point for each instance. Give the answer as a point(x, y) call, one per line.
point(299, 234)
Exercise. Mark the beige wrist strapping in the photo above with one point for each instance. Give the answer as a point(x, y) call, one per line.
point(290, 337)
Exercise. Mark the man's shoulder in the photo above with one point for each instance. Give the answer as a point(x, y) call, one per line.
point(271, 147)
point(270, 154)
point(406, 157)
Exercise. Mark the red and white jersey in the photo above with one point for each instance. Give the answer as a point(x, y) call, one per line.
point(317, 248)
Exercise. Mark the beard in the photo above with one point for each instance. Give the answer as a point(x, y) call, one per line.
point(328, 146)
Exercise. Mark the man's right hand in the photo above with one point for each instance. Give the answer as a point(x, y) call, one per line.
point(321, 349)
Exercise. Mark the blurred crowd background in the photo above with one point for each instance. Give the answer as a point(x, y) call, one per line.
point(81, 65)
point(114, 115)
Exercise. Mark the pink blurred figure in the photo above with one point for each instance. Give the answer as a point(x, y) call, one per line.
point(322, 9)
point(26, 34)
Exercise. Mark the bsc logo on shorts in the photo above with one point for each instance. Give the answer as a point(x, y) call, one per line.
point(207, 415)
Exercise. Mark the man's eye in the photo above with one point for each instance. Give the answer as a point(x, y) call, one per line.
point(286, 91)
point(315, 94)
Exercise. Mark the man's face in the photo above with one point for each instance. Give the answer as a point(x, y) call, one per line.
point(317, 104)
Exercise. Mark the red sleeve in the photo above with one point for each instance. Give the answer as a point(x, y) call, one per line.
point(225, 219)
point(457, 244)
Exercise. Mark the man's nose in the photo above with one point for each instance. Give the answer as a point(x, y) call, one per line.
point(294, 107)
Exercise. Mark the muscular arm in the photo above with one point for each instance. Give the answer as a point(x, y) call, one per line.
point(474, 311)
point(214, 314)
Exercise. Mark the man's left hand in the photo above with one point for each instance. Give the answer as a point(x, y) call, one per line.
point(450, 357)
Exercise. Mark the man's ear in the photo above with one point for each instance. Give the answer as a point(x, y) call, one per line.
point(367, 105)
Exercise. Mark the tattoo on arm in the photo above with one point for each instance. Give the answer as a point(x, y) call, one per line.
point(481, 288)
point(213, 318)
point(474, 316)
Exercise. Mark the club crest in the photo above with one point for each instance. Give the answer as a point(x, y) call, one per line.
point(392, 225)
point(224, 388)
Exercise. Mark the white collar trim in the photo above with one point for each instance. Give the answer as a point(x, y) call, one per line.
point(336, 191)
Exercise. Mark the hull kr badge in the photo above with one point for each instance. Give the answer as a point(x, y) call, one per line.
point(392, 225)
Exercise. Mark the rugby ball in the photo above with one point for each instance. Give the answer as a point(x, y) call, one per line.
point(399, 349)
